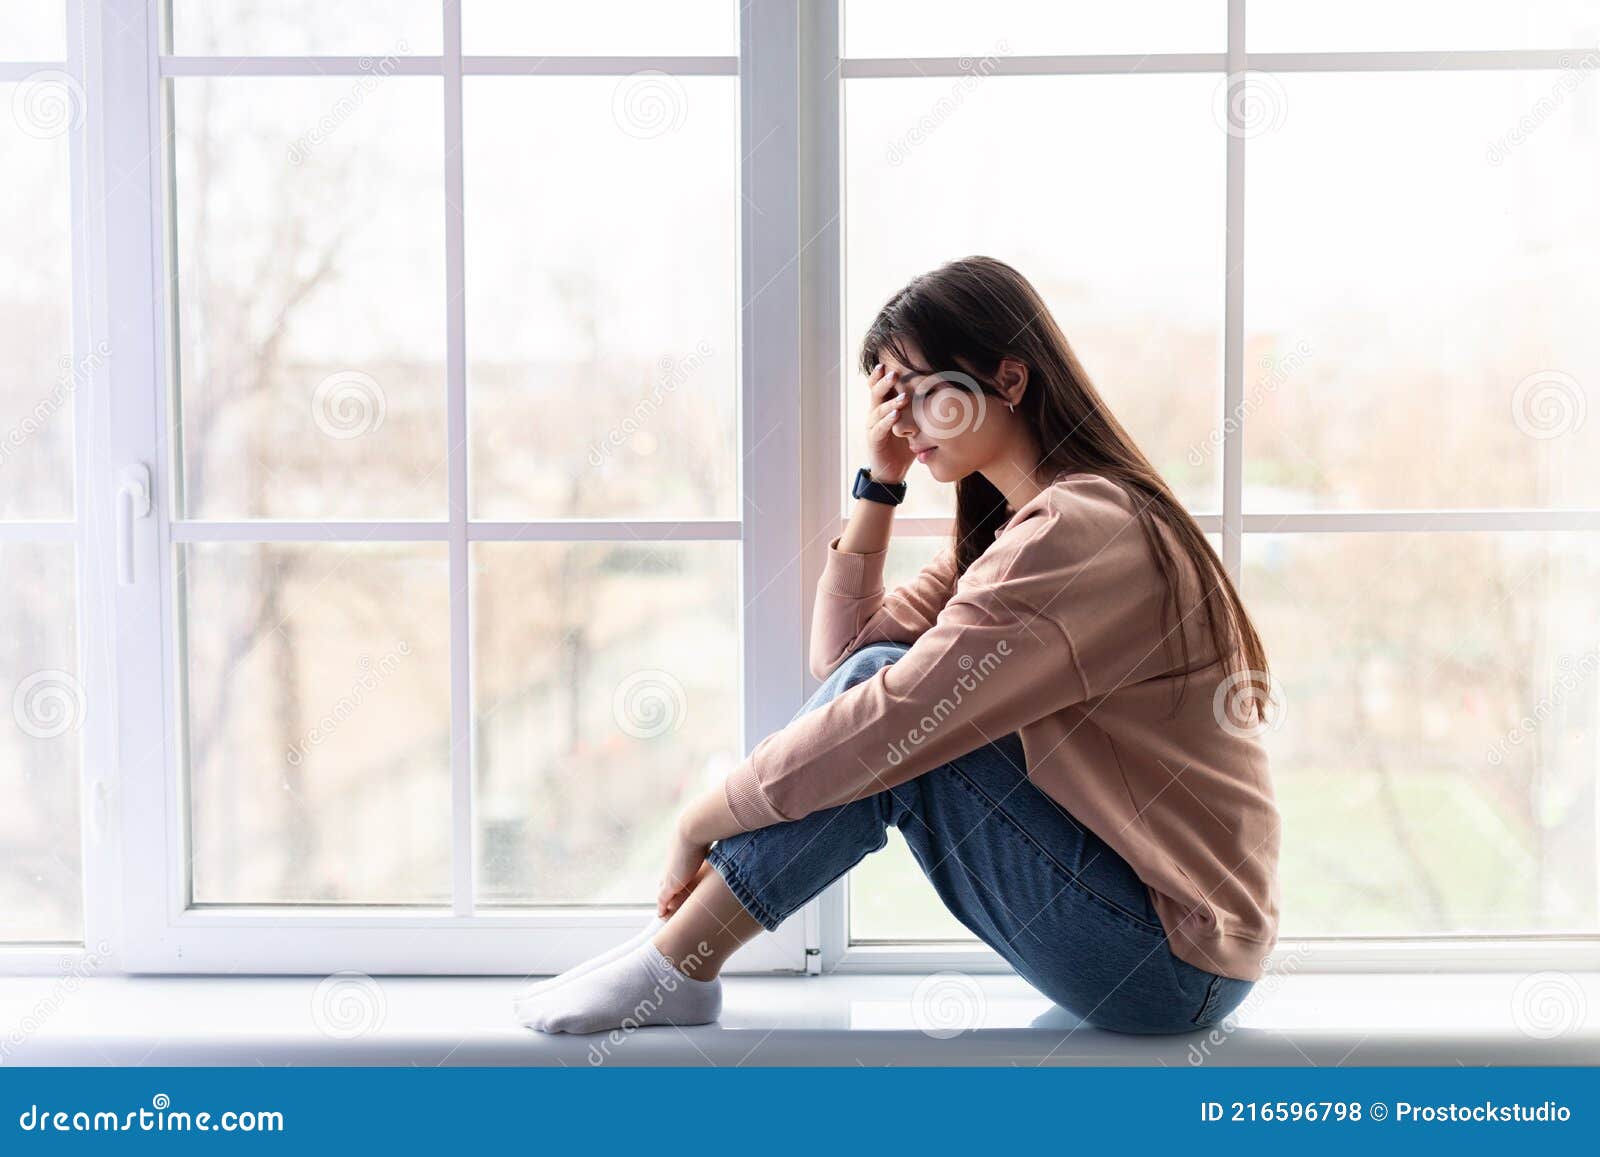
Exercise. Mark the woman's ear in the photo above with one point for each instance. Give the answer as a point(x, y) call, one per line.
point(1012, 379)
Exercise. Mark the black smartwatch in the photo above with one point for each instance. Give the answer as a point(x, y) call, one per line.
point(868, 487)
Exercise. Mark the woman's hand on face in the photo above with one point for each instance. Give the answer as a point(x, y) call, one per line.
point(889, 456)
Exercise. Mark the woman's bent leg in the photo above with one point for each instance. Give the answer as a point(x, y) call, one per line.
point(753, 881)
point(1013, 866)
point(1053, 898)
point(774, 871)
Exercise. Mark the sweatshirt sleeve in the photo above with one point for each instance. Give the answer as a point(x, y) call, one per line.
point(990, 663)
point(851, 610)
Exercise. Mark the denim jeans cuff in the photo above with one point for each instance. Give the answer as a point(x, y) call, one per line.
point(742, 892)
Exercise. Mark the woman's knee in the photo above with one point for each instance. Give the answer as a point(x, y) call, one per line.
point(865, 662)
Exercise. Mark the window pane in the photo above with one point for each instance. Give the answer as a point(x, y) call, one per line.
point(37, 378)
point(890, 898)
point(961, 28)
point(1374, 25)
point(600, 28)
point(607, 695)
point(33, 30)
point(1434, 757)
point(310, 250)
point(306, 27)
point(1129, 259)
point(318, 722)
point(1436, 275)
point(41, 886)
point(601, 344)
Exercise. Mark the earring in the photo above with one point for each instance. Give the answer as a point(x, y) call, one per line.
point(1010, 407)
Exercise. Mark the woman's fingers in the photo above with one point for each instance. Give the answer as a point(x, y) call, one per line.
point(883, 383)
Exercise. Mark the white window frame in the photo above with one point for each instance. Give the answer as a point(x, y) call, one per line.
point(163, 931)
point(90, 328)
point(793, 80)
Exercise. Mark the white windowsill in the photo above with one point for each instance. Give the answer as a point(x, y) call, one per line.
point(1371, 1019)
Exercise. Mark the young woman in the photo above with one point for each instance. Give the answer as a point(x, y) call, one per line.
point(1060, 713)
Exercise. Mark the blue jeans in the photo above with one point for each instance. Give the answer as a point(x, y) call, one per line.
point(1015, 868)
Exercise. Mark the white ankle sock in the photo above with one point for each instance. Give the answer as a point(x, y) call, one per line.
point(641, 988)
point(593, 962)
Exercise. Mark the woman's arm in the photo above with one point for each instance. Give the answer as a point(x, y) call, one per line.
point(706, 820)
point(851, 609)
point(994, 661)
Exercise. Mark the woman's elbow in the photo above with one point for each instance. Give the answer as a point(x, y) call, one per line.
point(821, 668)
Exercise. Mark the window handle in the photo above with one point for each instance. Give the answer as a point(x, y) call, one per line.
point(133, 501)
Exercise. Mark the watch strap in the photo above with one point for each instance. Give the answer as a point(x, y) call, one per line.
point(868, 487)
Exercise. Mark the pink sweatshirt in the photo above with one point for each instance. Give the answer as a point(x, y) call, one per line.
point(1055, 632)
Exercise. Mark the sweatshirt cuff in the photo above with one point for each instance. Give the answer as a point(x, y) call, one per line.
point(853, 575)
point(748, 801)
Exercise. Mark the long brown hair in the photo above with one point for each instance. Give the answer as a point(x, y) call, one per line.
point(967, 315)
